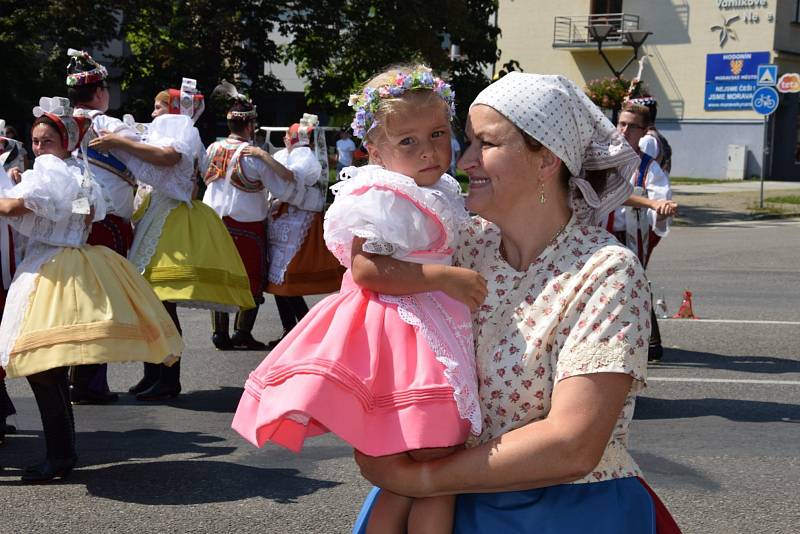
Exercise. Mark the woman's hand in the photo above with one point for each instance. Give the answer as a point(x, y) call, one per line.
point(15, 174)
point(106, 141)
point(464, 285)
point(256, 152)
point(397, 473)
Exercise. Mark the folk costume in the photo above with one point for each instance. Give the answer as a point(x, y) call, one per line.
point(90, 383)
point(72, 303)
point(11, 157)
point(299, 262)
point(237, 190)
point(385, 373)
point(180, 245)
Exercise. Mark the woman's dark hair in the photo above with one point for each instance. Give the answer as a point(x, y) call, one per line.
point(238, 126)
point(44, 119)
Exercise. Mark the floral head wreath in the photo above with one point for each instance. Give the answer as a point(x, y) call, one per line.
point(82, 58)
point(228, 90)
point(642, 101)
point(367, 102)
point(59, 110)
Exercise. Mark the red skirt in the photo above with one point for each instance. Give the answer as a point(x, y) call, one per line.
point(251, 242)
point(113, 232)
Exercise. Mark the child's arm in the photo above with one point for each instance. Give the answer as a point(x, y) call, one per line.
point(385, 274)
point(11, 207)
point(163, 157)
point(664, 207)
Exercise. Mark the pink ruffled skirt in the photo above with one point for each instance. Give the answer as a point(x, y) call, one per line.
point(386, 374)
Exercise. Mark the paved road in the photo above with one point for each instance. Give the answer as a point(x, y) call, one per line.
point(716, 431)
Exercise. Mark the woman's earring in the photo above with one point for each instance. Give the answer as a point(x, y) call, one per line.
point(542, 199)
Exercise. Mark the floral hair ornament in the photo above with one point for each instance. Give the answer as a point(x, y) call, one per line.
point(90, 70)
point(59, 110)
point(228, 90)
point(299, 133)
point(367, 102)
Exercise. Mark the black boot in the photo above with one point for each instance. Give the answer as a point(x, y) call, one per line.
point(59, 432)
point(168, 385)
point(6, 409)
point(151, 374)
point(220, 338)
point(242, 338)
point(89, 385)
point(655, 351)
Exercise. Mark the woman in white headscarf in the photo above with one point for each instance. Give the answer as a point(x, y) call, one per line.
point(561, 340)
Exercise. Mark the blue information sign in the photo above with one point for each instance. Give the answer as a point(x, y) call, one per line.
point(731, 80)
point(765, 100)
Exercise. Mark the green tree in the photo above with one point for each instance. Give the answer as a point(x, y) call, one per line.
point(206, 40)
point(34, 38)
point(338, 44)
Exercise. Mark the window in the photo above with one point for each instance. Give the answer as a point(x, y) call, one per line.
point(608, 6)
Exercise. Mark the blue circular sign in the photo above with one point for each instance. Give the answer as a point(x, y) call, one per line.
point(765, 100)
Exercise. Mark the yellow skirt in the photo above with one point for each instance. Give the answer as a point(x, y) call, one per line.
point(89, 305)
point(196, 263)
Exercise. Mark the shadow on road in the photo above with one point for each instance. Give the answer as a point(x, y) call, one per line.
point(689, 359)
point(732, 409)
point(221, 400)
point(671, 474)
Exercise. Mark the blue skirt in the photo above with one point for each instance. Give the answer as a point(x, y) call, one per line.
point(620, 506)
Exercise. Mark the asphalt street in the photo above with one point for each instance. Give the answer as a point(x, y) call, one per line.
point(716, 430)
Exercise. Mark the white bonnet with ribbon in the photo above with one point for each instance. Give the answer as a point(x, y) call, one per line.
point(555, 112)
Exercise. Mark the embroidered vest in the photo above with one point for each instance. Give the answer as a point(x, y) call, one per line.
point(107, 162)
point(224, 163)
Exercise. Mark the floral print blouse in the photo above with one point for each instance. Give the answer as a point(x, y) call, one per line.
point(583, 306)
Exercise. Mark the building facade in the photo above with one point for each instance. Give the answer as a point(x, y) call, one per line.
point(701, 66)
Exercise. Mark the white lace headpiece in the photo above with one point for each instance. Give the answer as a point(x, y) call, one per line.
point(59, 110)
point(555, 112)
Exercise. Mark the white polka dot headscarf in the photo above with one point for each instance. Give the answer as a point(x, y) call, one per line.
point(555, 112)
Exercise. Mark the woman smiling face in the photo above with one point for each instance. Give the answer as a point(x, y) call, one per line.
point(500, 165)
point(46, 140)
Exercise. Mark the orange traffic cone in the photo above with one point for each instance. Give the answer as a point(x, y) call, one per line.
point(685, 311)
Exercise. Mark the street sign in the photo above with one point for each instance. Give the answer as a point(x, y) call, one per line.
point(731, 80)
point(765, 100)
point(789, 83)
point(767, 75)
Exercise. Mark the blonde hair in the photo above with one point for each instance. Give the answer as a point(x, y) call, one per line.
point(163, 97)
point(389, 106)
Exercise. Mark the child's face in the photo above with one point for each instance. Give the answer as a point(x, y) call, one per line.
point(416, 143)
point(46, 140)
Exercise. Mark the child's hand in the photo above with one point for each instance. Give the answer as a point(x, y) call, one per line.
point(105, 142)
point(464, 285)
point(665, 208)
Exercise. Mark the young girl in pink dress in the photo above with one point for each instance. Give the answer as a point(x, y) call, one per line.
point(387, 374)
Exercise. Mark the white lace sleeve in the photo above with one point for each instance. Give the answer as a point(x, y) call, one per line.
point(49, 189)
point(176, 181)
point(391, 225)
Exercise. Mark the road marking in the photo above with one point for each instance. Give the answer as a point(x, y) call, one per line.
point(724, 380)
point(734, 321)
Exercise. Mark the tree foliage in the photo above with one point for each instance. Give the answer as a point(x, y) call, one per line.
point(34, 38)
point(337, 45)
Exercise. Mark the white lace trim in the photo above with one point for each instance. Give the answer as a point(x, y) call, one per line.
point(589, 358)
point(428, 317)
point(286, 236)
point(20, 295)
point(616, 462)
point(442, 200)
point(148, 230)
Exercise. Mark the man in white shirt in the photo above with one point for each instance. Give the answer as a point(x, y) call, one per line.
point(238, 189)
point(344, 150)
point(646, 216)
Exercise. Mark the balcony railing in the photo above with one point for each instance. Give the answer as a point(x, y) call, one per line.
point(573, 32)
